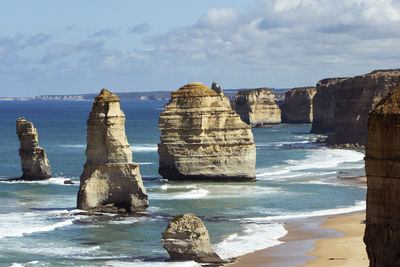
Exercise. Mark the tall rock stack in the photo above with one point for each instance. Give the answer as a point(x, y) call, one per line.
point(34, 162)
point(298, 105)
point(257, 107)
point(382, 164)
point(110, 181)
point(203, 138)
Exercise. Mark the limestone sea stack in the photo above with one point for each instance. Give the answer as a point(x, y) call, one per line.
point(34, 162)
point(257, 107)
point(110, 181)
point(298, 105)
point(186, 238)
point(202, 138)
point(350, 100)
point(382, 165)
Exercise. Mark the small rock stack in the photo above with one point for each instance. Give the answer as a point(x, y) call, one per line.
point(298, 106)
point(257, 107)
point(203, 138)
point(186, 238)
point(110, 181)
point(382, 165)
point(34, 162)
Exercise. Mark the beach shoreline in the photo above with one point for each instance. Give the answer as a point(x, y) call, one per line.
point(307, 238)
point(315, 241)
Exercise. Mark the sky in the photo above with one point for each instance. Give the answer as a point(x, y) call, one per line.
point(64, 47)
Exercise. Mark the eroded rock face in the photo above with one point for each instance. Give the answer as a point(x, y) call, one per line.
point(382, 165)
point(186, 238)
point(257, 107)
point(110, 181)
point(203, 138)
point(324, 105)
point(298, 105)
point(34, 162)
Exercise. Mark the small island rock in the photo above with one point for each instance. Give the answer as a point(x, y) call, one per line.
point(257, 107)
point(202, 138)
point(298, 106)
point(110, 181)
point(186, 238)
point(34, 162)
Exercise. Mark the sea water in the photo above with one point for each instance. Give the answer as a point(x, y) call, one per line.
point(40, 226)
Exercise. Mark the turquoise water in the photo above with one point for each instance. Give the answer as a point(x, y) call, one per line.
point(39, 225)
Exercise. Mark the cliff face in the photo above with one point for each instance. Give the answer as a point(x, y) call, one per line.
point(203, 138)
point(186, 238)
point(298, 105)
point(324, 104)
point(257, 107)
point(350, 100)
point(110, 181)
point(34, 162)
point(382, 164)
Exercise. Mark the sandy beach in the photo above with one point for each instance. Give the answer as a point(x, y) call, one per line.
point(317, 241)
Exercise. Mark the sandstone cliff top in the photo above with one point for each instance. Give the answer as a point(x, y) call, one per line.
point(106, 96)
point(255, 91)
point(193, 89)
point(329, 81)
point(301, 91)
point(390, 104)
point(183, 223)
point(24, 126)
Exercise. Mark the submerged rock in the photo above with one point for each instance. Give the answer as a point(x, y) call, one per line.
point(257, 107)
point(186, 238)
point(110, 181)
point(382, 165)
point(203, 138)
point(298, 105)
point(34, 162)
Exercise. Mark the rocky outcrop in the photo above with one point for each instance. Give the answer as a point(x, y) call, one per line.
point(382, 165)
point(257, 107)
point(298, 105)
point(186, 238)
point(324, 105)
point(202, 138)
point(351, 99)
point(110, 181)
point(34, 162)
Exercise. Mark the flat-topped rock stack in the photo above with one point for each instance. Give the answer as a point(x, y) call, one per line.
point(34, 162)
point(341, 105)
point(110, 181)
point(202, 138)
point(298, 107)
point(257, 107)
point(382, 165)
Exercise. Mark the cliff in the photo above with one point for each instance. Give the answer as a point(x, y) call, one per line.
point(350, 100)
point(382, 165)
point(186, 238)
point(257, 107)
point(34, 162)
point(298, 107)
point(202, 138)
point(324, 104)
point(110, 181)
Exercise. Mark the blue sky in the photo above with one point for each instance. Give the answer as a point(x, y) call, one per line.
point(72, 47)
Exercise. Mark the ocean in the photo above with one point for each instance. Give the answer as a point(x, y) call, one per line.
point(40, 226)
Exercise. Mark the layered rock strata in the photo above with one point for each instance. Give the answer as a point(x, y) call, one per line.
point(34, 162)
point(257, 107)
point(110, 181)
point(324, 106)
point(202, 138)
point(351, 99)
point(382, 165)
point(186, 238)
point(298, 107)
